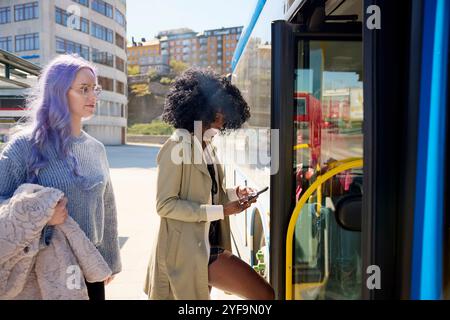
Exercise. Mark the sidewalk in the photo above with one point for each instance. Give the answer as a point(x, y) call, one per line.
point(133, 174)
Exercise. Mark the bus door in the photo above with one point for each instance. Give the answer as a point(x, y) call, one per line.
point(317, 106)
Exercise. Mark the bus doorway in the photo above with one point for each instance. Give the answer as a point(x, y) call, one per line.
point(317, 106)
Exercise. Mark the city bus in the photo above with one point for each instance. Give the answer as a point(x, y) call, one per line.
point(349, 98)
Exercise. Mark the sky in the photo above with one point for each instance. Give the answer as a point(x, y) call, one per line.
point(145, 18)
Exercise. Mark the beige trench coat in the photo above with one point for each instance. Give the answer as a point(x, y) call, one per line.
point(178, 267)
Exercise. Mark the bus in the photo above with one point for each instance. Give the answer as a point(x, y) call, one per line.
point(350, 100)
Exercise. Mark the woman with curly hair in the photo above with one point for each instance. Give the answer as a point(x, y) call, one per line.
point(192, 251)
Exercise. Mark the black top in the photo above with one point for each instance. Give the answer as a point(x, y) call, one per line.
point(214, 227)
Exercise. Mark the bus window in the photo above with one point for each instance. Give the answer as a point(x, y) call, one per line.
point(328, 117)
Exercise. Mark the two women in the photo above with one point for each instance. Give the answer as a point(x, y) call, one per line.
point(53, 151)
point(193, 248)
point(193, 251)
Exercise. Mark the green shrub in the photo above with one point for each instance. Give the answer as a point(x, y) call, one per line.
point(140, 89)
point(165, 81)
point(155, 128)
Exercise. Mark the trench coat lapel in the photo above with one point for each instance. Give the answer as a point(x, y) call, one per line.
point(197, 156)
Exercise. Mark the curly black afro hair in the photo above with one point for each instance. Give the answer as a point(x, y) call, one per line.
point(197, 95)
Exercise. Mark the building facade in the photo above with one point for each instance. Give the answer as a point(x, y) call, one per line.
point(94, 29)
point(210, 48)
point(220, 46)
point(147, 55)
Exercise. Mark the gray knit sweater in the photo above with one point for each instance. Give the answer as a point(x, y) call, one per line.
point(91, 199)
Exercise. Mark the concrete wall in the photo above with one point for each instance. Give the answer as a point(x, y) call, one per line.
point(109, 135)
point(147, 139)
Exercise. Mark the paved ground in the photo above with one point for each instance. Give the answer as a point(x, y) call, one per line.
point(133, 172)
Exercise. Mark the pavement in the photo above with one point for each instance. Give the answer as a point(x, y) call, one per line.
point(133, 174)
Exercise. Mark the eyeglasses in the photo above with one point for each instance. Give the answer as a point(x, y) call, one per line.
point(86, 90)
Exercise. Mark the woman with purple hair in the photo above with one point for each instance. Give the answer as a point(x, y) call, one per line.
point(52, 150)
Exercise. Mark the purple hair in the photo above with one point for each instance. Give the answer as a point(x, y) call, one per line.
point(50, 123)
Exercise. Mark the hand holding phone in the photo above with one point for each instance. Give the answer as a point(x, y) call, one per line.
point(256, 194)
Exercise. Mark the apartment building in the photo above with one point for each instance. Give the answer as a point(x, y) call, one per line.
point(37, 31)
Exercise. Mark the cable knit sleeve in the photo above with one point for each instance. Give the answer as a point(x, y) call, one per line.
point(12, 168)
point(109, 247)
point(13, 173)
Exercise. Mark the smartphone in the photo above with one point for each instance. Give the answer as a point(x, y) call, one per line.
point(257, 193)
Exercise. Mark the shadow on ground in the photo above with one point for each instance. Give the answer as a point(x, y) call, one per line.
point(132, 156)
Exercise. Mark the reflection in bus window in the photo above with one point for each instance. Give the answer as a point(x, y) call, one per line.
point(328, 118)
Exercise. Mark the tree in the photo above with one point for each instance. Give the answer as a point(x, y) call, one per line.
point(152, 75)
point(140, 89)
point(133, 70)
point(178, 66)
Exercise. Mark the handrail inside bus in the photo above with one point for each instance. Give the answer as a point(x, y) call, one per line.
point(301, 146)
point(346, 165)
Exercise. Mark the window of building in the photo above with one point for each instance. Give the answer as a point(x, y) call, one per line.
point(120, 41)
point(67, 46)
point(6, 43)
point(115, 109)
point(84, 25)
point(120, 87)
point(62, 17)
point(120, 18)
point(102, 32)
point(106, 83)
point(103, 57)
point(26, 11)
point(120, 64)
point(102, 7)
point(27, 42)
point(83, 2)
point(5, 15)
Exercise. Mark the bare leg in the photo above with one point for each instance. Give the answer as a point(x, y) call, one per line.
point(231, 274)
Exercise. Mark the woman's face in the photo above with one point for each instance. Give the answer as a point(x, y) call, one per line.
point(82, 95)
point(214, 127)
point(218, 122)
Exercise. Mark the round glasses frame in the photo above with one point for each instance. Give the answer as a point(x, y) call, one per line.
point(84, 91)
